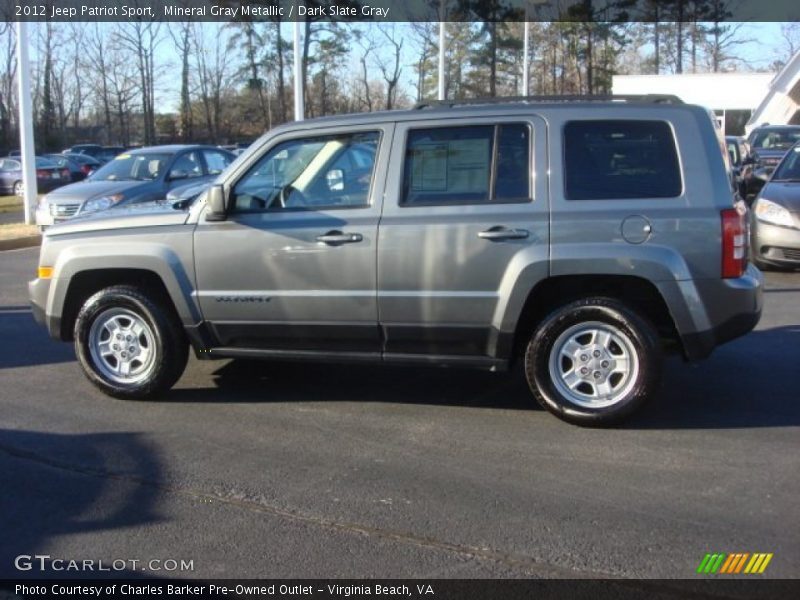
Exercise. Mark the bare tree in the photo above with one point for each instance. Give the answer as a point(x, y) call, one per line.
point(212, 77)
point(181, 36)
point(8, 72)
point(391, 68)
point(142, 38)
point(95, 50)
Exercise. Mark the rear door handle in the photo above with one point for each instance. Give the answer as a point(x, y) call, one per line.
point(503, 233)
point(335, 238)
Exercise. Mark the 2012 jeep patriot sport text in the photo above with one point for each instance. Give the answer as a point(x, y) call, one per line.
point(583, 238)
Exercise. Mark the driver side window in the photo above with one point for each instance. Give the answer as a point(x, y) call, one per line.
point(321, 172)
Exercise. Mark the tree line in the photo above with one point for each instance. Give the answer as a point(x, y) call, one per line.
point(153, 82)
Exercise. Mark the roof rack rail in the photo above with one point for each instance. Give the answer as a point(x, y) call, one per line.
point(639, 98)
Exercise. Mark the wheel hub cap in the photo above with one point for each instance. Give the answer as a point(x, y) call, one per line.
point(122, 346)
point(593, 364)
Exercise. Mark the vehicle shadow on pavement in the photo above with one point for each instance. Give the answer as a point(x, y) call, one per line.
point(60, 485)
point(750, 382)
point(263, 381)
point(25, 344)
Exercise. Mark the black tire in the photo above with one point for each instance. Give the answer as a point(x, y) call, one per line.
point(636, 336)
point(168, 343)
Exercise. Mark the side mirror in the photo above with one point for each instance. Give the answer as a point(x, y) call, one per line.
point(216, 202)
point(176, 174)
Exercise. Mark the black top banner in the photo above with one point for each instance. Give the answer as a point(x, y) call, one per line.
point(401, 10)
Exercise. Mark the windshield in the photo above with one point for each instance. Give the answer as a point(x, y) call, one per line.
point(137, 167)
point(776, 139)
point(789, 169)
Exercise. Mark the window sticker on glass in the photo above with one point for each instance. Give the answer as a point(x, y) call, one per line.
point(469, 164)
point(429, 172)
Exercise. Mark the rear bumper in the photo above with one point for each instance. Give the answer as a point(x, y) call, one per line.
point(710, 312)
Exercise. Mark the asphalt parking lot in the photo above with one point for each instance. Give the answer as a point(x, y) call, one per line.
point(276, 470)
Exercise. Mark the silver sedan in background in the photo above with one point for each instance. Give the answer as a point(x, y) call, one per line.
point(776, 216)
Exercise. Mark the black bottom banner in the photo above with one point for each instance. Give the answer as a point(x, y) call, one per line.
point(435, 589)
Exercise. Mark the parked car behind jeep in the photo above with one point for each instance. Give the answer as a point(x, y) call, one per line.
point(142, 175)
point(582, 239)
point(776, 216)
point(768, 145)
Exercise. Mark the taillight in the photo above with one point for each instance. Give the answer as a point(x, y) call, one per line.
point(86, 169)
point(42, 174)
point(65, 173)
point(734, 242)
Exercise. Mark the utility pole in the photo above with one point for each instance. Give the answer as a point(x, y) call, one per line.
point(441, 60)
point(26, 146)
point(299, 91)
point(526, 63)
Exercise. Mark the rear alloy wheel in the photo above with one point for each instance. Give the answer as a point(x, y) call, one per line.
point(19, 189)
point(129, 345)
point(593, 362)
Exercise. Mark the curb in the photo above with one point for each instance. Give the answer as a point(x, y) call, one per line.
point(29, 241)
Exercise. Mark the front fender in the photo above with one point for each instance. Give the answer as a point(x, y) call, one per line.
point(162, 259)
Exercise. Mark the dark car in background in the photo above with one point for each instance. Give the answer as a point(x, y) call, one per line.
point(108, 153)
point(80, 165)
point(48, 176)
point(768, 145)
point(775, 226)
point(739, 154)
point(142, 175)
point(103, 154)
point(90, 149)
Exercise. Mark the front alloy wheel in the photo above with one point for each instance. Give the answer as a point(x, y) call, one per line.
point(130, 342)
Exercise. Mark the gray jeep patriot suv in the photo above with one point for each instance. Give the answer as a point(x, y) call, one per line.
point(583, 238)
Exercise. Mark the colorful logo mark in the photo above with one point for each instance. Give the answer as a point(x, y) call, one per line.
point(734, 564)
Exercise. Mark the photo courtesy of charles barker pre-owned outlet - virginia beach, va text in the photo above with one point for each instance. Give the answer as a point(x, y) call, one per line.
point(421, 299)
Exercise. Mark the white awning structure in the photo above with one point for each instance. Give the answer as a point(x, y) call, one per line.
point(781, 105)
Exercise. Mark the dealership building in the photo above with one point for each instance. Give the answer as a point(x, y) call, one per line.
point(741, 101)
point(733, 97)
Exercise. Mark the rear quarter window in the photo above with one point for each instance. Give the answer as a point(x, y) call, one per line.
point(620, 159)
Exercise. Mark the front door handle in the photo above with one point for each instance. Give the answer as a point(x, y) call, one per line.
point(503, 233)
point(334, 238)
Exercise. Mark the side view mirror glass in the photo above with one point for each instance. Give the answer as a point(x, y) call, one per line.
point(178, 174)
point(217, 204)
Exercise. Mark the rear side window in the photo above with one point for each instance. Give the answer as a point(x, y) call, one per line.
point(607, 160)
point(467, 165)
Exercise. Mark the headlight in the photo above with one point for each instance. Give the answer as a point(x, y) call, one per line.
point(101, 203)
point(770, 212)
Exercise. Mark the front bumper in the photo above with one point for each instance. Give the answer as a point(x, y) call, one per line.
point(776, 245)
point(38, 292)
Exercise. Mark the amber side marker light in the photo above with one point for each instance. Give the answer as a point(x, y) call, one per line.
point(45, 272)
